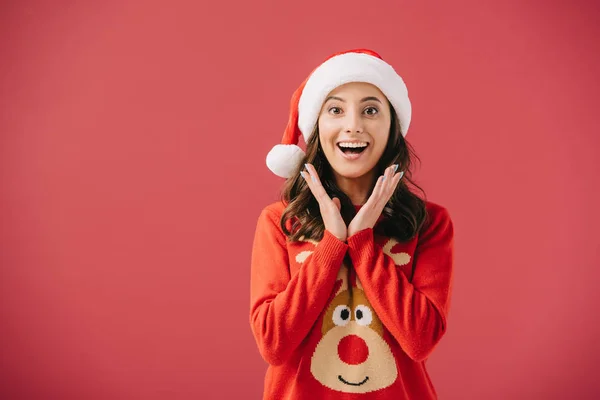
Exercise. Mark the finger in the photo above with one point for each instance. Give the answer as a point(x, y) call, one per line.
point(390, 171)
point(316, 187)
point(313, 173)
point(387, 174)
point(391, 179)
point(316, 182)
point(377, 191)
point(393, 185)
point(308, 181)
point(384, 187)
point(398, 177)
point(387, 187)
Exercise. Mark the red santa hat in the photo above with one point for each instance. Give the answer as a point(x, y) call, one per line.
point(360, 65)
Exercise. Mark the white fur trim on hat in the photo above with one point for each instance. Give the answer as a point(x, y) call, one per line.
point(351, 67)
point(283, 159)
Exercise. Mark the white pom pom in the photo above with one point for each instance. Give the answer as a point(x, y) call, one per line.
point(283, 159)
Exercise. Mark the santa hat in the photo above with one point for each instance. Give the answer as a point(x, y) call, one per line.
point(360, 65)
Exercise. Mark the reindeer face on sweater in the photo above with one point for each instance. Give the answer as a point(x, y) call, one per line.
point(352, 355)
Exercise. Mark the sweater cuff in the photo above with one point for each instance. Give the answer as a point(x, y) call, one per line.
point(362, 245)
point(330, 249)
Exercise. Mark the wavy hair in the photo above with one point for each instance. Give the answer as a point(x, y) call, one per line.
point(404, 214)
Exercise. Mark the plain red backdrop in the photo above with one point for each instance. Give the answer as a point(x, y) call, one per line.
point(132, 162)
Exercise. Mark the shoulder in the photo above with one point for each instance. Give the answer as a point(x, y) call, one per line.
point(273, 210)
point(436, 210)
point(271, 215)
point(438, 220)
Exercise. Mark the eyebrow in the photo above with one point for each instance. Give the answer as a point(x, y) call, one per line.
point(362, 101)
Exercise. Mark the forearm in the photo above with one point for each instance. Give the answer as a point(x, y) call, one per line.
point(281, 320)
point(411, 314)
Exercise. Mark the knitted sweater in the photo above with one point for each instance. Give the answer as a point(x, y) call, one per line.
point(350, 320)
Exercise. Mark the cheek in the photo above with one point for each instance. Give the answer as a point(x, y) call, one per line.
point(381, 134)
point(326, 133)
point(325, 125)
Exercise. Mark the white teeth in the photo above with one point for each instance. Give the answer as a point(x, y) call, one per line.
point(353, 145)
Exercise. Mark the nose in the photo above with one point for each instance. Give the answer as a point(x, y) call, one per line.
point(353, 350)
point(353, 123)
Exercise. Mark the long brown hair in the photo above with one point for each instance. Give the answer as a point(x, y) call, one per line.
point(404, 214)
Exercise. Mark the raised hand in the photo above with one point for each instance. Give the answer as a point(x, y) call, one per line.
point(370, 212)
point(330, 208)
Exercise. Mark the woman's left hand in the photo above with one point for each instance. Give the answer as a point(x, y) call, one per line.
point(370, 212)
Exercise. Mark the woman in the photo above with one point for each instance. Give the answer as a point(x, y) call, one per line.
point(351, 271)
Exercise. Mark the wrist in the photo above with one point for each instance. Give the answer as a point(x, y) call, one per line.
point(357, 231)
point(341, 238)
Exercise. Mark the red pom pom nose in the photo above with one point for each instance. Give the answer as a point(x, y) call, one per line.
point(353, 350)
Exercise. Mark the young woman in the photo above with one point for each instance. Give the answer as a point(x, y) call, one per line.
point(351, 272)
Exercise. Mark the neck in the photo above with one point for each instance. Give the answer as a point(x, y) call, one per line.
point(357, 189)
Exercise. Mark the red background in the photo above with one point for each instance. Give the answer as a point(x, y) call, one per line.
point(132, 162)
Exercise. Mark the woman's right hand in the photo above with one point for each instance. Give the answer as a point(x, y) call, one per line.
point(330, 208)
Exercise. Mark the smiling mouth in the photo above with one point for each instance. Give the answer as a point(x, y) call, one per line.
point(353, 384)
point(352, 150)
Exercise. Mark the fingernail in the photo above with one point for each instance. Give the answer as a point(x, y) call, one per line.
point(395, 167)
point(383, 179)
point(401, 174)
point(302, 174)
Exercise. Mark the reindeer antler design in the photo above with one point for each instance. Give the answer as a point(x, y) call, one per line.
point(401, 258)
point(303, 255)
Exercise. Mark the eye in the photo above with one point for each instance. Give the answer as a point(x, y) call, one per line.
point(336, 109)
point(341, 315)
point(363, 314)
point(375, 110)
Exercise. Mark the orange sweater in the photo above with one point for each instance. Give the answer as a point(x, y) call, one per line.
point(349, 320)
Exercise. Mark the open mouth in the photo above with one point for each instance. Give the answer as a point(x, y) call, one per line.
point(353, 384)
point(352, 150)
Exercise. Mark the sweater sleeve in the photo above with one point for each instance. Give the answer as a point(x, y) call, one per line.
point(413, 312)
point(283, 308)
